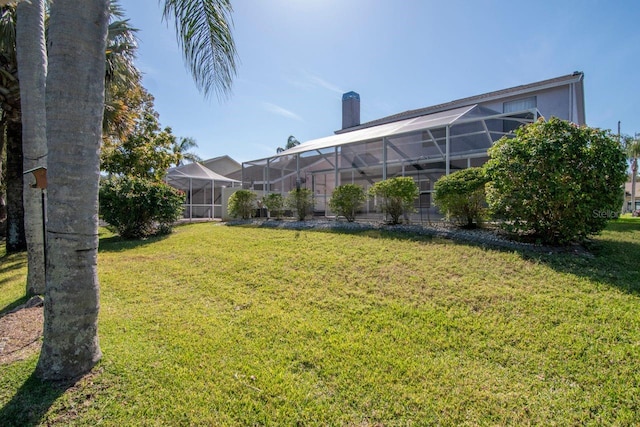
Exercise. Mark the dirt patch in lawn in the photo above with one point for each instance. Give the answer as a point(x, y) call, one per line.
point(20, 333)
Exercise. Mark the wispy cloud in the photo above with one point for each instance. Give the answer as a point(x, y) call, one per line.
point(318, 81)
point(308, 81)
point(276, 109)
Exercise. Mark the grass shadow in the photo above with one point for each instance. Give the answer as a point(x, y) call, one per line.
point(624, 225)
point(11, 263)
point(118, 244)
point(4, 310)
point(612, 262)
point(610, 259)
point(12, 268)
point(32, 401)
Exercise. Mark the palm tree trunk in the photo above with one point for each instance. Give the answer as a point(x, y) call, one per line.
point(32, 66)
point(74, 107)
point(15, 212)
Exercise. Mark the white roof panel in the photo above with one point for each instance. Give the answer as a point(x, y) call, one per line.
point(429, 121)
point(196, 171)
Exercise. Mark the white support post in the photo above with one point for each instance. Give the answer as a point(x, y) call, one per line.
point(448, 151)
point(384, 159)
point(281, 180)
point(268, 183)
point(335, 168)
point(190, 199)
point(298, 183)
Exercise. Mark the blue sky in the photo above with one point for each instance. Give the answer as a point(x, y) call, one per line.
point(297, 57)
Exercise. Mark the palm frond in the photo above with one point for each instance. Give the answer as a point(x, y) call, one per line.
point(122, 45)
point(8, 31)
point(203, 30)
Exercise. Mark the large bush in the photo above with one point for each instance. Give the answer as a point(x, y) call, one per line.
point(301, 201)
point(461, 196)
point(242, 204)
point(274, 202)
point(138, 207)
point(346, 200)
point(397, 196)
point(555, 180)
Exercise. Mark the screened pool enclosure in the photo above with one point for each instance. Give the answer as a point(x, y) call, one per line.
point(424, 148)
point(203, 189)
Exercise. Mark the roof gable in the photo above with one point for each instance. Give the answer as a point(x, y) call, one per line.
point(196, 171)
point(576, 77)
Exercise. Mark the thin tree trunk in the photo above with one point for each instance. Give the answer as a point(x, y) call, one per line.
point(15, 212)
point(634, 174)
point(32, 68)
point(3, 206)
point(74, 105)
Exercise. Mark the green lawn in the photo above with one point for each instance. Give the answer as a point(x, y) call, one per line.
point(244, 326)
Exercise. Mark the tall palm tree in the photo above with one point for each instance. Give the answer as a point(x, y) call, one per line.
point(122, 78)
point(77, 35)
point(11, 129)
point(292, 141)
point(74, 105)
point(23, 44)
point(182, 150)
point(32, 62)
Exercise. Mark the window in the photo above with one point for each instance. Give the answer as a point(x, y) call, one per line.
point(516, 106)
point(519, 105)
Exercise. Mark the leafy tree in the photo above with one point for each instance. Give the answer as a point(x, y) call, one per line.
point(124, 106)
point(135, 206)
point(300, 200)
point(274, 202)
point(461, 196)
point(242, 203)
point(147, 152)
point(397, 196)
point(291, 142)
point(346, 200)
point(555, 180)
point(138, 207)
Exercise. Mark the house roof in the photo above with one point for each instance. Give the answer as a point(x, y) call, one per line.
point(196, 171)
point(576, 77)
point(221, 158)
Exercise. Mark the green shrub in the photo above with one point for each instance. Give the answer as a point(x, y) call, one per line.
point(461, 196)
point(301, 201)
point(555, 180)
point(274, 202)
point(397, 196)
point(138, 207)
point(242, 204)
point(346, 200)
